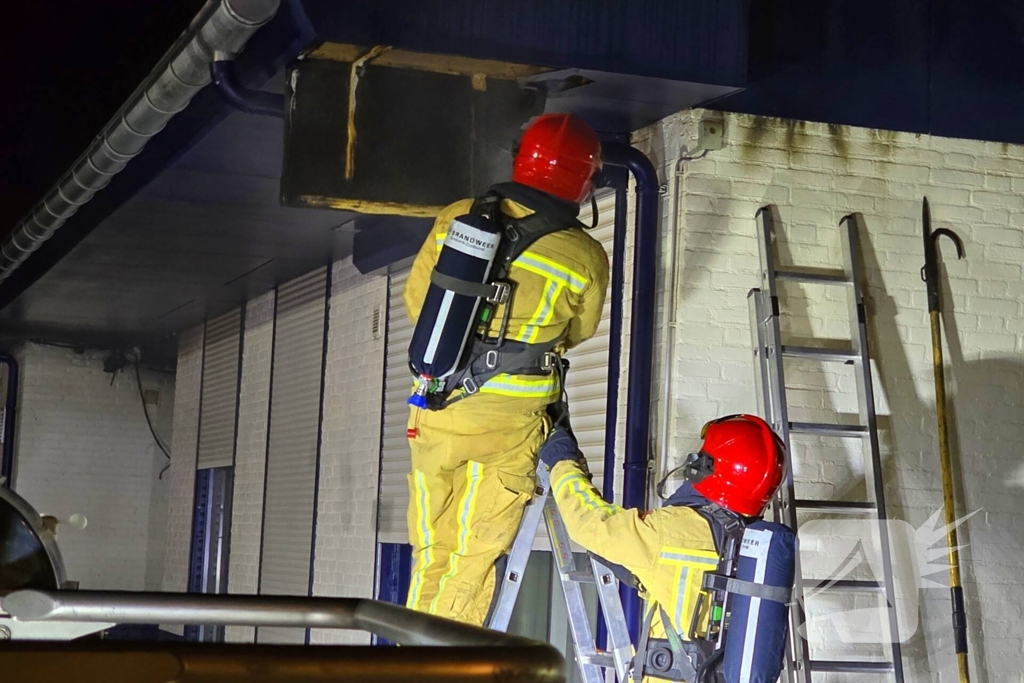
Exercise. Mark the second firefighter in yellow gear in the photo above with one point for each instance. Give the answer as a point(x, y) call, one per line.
point(474, 461)
point(668, 550)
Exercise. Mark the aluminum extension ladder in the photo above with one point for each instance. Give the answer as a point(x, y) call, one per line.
point(770, 353)
point(592, 664)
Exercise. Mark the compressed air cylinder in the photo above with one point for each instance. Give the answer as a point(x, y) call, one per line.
point(448, 319)
point(755, 644)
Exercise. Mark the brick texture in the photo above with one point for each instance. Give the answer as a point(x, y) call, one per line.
point(346, 531)
point(816, 174)
point(251, 456)
point(83, 447)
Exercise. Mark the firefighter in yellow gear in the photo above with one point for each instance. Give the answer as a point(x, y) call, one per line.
point(668, 550)
point(474, 461)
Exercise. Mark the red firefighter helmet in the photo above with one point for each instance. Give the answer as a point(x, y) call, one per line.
point(558, 154)
point(740, 464)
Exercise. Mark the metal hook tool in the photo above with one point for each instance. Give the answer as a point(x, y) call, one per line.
point(930, 275)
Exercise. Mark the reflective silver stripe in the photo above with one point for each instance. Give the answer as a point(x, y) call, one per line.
point(695, 559)
point(435, 334)
point(684, 578)
point(750, 637)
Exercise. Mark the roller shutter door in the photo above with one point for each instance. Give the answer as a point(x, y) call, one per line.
point(587, 384)
point(292, 445)
point(219, 402)
point(395, 457)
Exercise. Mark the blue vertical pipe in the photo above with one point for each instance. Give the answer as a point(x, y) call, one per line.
point(10, 408)
point(614, 358)
point(641, 342)
point(618, 277)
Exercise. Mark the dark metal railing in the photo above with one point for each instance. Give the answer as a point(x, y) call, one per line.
point(434, 649)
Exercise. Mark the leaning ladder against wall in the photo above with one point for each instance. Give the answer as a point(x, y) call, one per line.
point(771, 353)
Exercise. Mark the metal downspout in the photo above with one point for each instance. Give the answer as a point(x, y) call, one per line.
point(221, 26)
point(614, 357)
point(10, 412)
point(615, 335)
point(641, 342)
point(258, 102)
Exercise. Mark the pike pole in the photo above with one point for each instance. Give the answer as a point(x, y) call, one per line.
point(930, 275)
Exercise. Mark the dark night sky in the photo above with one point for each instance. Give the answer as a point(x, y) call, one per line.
point(67, 66)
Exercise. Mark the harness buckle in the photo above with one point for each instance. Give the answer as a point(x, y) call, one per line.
point(501, 292)
point(470, 386)
point(549, 360)
point(512, 233)
point(491, 359)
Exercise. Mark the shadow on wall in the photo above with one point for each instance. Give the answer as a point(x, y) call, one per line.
point(984, 402)
point(985, 398)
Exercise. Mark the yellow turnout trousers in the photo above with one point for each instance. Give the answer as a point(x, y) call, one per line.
point(472, 475)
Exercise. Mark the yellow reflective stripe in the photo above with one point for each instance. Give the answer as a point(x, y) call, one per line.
point(543, 314)
point(581, 489)
point(521, 386)
point(474, 472)
point(584, 493)
point(425, 536)
point(541, 265)
point(685, 560)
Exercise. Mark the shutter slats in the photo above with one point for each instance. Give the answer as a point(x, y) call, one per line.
point(220, 391)
point(292, 443)
point(587, 382)
point(586, 386)
point(395, 458)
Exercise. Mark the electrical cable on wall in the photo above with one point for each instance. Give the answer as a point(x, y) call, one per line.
point(118, 360)
point(149, 421)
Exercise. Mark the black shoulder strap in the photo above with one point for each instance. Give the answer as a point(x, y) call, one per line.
point(518, 233)
point(725, 525)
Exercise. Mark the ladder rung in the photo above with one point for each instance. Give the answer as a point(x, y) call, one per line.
point(835, 506)
point(850, 667)
point(601, 659)
point(836, 355)
point(824, 277)
point(844, 585)
point(824, 429)
point(579, 576)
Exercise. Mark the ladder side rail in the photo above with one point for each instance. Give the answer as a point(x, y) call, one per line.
point(868, 417)
point(780, 422)
point(579, 620)
point(619, 642)
point(519, 554)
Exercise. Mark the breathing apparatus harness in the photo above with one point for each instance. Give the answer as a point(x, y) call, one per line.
point(484, 354)
point(698, 658)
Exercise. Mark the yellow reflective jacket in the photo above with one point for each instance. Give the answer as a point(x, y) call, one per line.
point(667, 550)
point(561, 281)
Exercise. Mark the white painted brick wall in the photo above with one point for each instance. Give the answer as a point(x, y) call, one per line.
point(251, 455)
point(83, 447)
point(346, 534)
point(183, 461)
point(816, 174)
